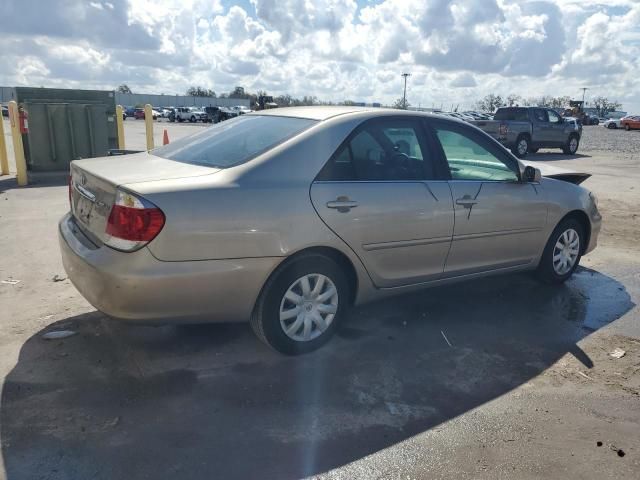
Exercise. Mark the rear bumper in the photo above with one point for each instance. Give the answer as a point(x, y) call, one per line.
point(138, 287)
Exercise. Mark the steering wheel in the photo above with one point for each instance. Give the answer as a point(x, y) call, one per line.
point(402, 164)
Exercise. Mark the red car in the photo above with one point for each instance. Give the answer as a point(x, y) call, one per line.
point(630, 122)
point(138, 114)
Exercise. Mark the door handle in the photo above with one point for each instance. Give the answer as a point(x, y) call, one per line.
point(342, 204)
point(466, 201)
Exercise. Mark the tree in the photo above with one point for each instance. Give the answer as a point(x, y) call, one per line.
point(200, 92)
point(514, 100)
point(490, 103)
point(238, 92)
point(401, 103)
point(124, 88)
point(604, 106)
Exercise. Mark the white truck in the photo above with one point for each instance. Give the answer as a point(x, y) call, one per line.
point(190, 114)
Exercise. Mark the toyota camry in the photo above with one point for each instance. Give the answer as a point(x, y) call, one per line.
point(285, 218)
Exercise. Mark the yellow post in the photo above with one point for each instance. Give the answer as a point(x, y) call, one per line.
point(18, 148)
point(4, 161)
point(148, 122)
point(120, 126)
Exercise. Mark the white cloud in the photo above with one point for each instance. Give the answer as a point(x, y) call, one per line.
point(457, 50)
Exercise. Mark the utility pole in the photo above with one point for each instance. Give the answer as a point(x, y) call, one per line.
point(584, 90)
point(404, 95)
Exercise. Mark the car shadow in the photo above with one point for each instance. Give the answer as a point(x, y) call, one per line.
point(210, 401)
point(552, 155)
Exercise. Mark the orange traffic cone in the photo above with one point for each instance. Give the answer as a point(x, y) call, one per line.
point(165, 137)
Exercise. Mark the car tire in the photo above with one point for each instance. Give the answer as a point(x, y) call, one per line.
point(521, 147)
point(571, 147)
point(192, 119)
point(611, 126)
point(276, 310)
point(627, 127)
point(566, 238)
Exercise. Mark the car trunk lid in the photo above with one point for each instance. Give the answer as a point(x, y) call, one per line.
point(94, 182)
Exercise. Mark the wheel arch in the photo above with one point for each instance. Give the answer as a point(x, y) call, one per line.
point(583, 219)
point(343, 261)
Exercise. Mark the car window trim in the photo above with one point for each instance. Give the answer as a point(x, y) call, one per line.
point(481, 138)
point(423, 140)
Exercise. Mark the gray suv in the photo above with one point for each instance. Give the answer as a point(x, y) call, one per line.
point(526, 129)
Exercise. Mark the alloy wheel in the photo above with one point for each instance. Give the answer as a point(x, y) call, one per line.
point(522, 147)
point(573, 144)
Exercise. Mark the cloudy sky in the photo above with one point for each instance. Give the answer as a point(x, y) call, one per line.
point(456, 50)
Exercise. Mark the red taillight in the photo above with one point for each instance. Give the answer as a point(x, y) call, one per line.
point(135, 224)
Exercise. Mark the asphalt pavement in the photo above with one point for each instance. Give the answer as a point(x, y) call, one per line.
point(497, 378)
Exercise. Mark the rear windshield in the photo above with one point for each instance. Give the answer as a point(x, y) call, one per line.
point(234, 141)
point(514, 114)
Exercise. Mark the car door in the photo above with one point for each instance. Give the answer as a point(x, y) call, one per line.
point(499, 219)
point(559, 133)
point(542, 131)
point(380, 192)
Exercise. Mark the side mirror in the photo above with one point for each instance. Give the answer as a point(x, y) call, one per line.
point(532, 174)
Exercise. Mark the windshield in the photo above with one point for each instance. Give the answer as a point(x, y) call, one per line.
point(234, 141)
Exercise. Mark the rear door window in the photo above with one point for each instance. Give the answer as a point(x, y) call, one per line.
point(540, 115)
point(387, 149)
point(234, 141)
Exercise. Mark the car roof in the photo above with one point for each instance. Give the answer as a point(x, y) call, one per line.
point(314, 113)
point(328, 112)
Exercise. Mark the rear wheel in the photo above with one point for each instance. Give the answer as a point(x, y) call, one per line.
point(301, 305)
point(521, 147)
point(571, 147)
point(562, 253)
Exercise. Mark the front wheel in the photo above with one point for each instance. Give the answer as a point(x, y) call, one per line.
point(571, 147)
point(611, 126)
point(301, 305)
point(562, 253)
point(627, 127)
point(521, 147)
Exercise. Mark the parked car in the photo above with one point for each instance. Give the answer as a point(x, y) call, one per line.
point(526, 129)
point(139, 114)
point(5, 111)
point(165, 112)
point(241, 109)
point(230, 225)
point(612, 123)
point(574, 123)
point(630, 122)
point(219, 114)
point(129, 111)
point(190, 114)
